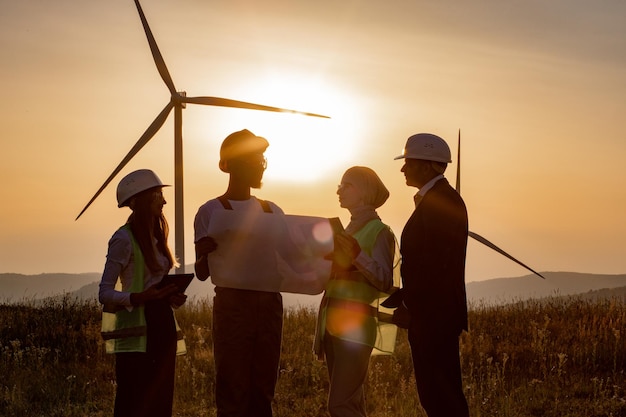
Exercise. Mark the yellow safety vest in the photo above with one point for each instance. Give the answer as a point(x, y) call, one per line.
point(350, 306)
point(123, 330)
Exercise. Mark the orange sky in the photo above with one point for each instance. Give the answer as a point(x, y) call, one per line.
point(537, 88)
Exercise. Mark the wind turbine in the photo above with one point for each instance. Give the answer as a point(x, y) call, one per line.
point(476, 236)
point(178, 101)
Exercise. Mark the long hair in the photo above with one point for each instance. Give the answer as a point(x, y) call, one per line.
point(146, 227)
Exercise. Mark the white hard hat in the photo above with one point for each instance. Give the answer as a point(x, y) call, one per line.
point(428, 147)
point(136, 182)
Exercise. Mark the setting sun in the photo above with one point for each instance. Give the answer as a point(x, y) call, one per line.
point(303, 149)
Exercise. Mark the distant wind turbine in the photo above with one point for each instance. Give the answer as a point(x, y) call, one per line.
point(476, 236)
point(178, 100)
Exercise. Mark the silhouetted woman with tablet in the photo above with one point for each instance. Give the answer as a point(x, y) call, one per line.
point(138, 322)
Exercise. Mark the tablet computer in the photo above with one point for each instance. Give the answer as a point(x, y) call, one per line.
point(335, 225)
point(182, 281)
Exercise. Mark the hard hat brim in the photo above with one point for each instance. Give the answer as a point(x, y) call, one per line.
point(443, 160)
point(125, 202)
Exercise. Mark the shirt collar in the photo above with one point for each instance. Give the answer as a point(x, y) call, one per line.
point(422, 191)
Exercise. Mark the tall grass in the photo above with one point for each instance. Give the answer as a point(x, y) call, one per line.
point(560, 357)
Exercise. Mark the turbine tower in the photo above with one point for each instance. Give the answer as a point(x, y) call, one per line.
point(178, 101)
point(476, 236)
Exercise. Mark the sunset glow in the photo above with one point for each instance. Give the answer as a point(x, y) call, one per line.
point(303, 149)
point(537, 90)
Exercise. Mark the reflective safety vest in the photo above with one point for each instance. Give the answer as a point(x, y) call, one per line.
point(350, 306)
point(123, 330)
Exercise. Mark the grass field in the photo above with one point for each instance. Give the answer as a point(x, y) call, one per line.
point(558, 357)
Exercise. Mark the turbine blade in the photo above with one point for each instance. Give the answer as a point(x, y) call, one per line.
point(147, 135)
point(156, 54)
point(226, 102)
point(497, 249)
point(458, 165)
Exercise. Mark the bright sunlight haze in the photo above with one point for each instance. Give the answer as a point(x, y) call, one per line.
point(536, 88)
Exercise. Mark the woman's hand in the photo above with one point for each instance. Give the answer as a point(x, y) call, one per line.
point(177, 300)
point(348, 245)
point(345, 251)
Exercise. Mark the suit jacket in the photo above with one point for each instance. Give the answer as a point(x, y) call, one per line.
point(433, 247)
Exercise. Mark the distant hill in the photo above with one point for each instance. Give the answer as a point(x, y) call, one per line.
point(506, 290)
point(604, 293)
point(18, 287)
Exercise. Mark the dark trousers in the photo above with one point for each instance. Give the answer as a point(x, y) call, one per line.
point(347, 370)
point(437, 367)
point(247, 335)
point(145, 381)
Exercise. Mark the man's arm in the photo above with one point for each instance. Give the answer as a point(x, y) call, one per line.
point(203, 247)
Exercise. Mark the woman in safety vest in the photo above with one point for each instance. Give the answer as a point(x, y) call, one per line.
point(138, 323)
point(362, 271)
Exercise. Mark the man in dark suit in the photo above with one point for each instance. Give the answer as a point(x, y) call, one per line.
point(433, 246)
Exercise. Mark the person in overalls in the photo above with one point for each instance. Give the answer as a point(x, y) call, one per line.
point(247, 324)
point(138, 322)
